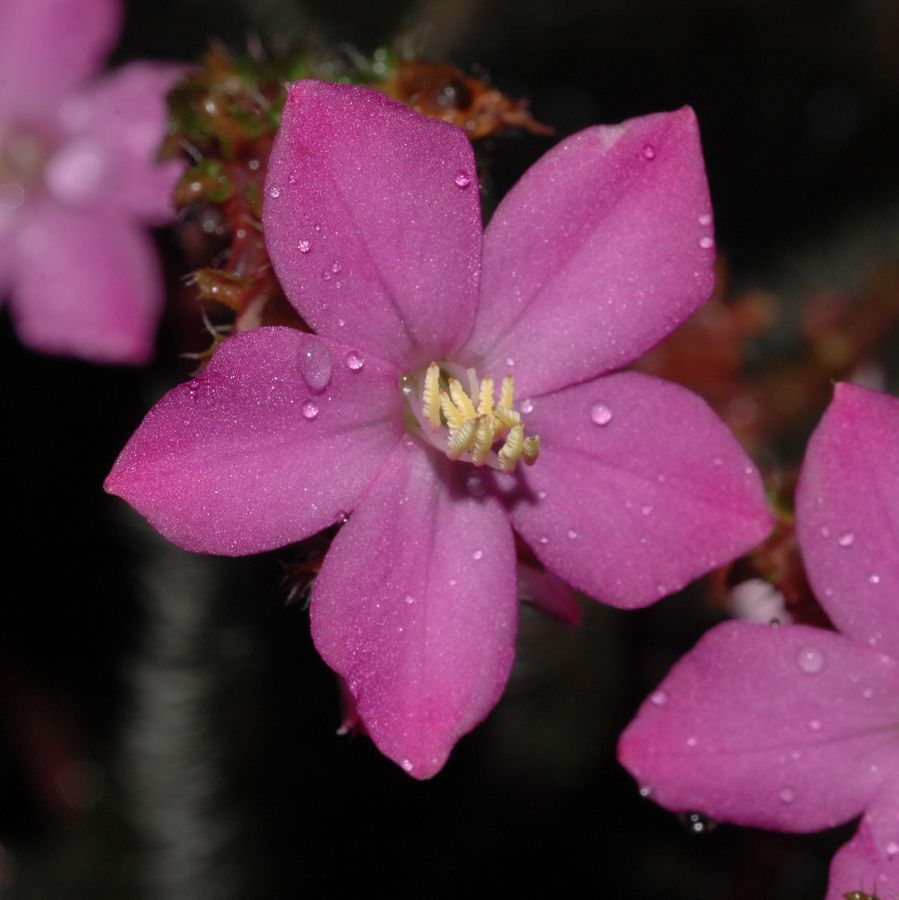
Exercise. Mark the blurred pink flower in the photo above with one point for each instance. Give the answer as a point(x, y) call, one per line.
point(78, 180)
point(372, 220)
point(797, 728)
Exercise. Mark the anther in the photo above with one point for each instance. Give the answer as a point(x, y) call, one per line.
point(483, 441)
point(430, 396)
point(462, 438)
point(511, 450)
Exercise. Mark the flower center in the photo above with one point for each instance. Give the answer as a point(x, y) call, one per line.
point(478, 425)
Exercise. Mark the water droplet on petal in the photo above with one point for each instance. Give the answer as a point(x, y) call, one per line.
point(814, 724)
point(544, 539)
point(274, 192)
point(659, 698)
point(646, 509)
point(892, 849)
point(649, 152)
point(572, 534)
point(811, 661)
point(600, 414)
point(309, 410)
point(868, 693)
point(326, 275)
point(705, 219)
point(846, 540)
point(691, 741)
point(407, 765)
point(509, 361)
point(478, 554)
point(874, 579)
point(354, 361)
point(541, 495)
point(527, 405)
point(335, 267)
point(706, 242)
point(193, 387)
point(462, 179)
point(476, 485)
point(408, 599)
point(315, 365)
point(825, 531)
point(645, 790)
point(698, 823)
point(787, 795)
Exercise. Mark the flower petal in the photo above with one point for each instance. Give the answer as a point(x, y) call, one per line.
point(847, 514)
point(639, 488)
point(870, 861)
point(275, 440)
point(602, 248)
point(368, 231)
point(117, 128)
point(549, 593)
point(416, 608)
point(47, 47)
point(86, 285)
point(788, 728)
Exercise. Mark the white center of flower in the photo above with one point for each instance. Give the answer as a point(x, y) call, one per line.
point(476, 426)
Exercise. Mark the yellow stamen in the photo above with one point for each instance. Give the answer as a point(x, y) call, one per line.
point(485, 403)
point(461, 399)
point(511, 450)
point(453, 417)
point(509, 417)
point(507, 395)
point(531, 449)
point(483, 441)
point(461, 439)
point(430, 396)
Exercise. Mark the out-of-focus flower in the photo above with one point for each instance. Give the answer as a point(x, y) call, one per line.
point(78, 181)
point(797, 728)
point(441, 353)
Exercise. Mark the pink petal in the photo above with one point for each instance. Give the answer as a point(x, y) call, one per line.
point(116, 129)
point(372, 238)
point(275, 440)
point(847, 514)
point(47, 47)
point(603, 248)
point(416, 608)
point(639, 488)
point(870, 861)
point(86, 285)
point(549, 593)
point(789, 728)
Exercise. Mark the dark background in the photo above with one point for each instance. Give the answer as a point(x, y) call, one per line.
point(185, 723)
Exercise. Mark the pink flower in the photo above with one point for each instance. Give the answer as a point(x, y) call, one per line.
point(77, 177)
point(373, 224)
point(797, 728)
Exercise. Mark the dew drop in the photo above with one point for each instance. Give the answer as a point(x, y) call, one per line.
point(354, 361)
point(544, 539)
point(309, 410)
point(846, 540)
point(541, 495)
point(315, 366)
point(649, 152)
point(698, 823)
point(478, 554)
point(659, 698)
point(510, 361)
point(476, 486)
point(811, 661)
point(706, 242)
point(705, 219)
point(304, 246)
point(646, 510)
point(193, 387)
point(892, 849)
point(408, 599)
point(527, 405)
point(825, 531)
point(336, 267)
point(600, 414)
point(462, 179)
point(274, 192)
point(572, 534)
point(874, 579)
point(407, 765)
point(326, 275)
point(787, 795)
point(814, 724)
point(645, 790)
point(691, 741)
point(341, 322)
point(868, 693)
point(718, 461)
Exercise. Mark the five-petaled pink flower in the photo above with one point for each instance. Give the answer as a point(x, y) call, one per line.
point(373, 224)
point(77, 179)
point(797, 728)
